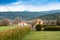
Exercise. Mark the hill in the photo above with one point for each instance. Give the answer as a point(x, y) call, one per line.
point(54, 16)
point(29, 15)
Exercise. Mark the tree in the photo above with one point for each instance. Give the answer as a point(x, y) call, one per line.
point(5, 21)
point(17, 20)
point(58, 21)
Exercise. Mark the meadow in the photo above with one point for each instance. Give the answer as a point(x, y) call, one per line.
point(3, 28)
point(13, 32)
point(24, 33)
point(43, 35)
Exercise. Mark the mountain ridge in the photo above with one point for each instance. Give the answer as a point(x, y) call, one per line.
point(26, 15)
point(54, 16)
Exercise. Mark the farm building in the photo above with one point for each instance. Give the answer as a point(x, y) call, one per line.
point(37, 21)
point(23, 23)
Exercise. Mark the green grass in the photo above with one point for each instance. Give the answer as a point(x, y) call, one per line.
point(3, 28)
point(43, 35)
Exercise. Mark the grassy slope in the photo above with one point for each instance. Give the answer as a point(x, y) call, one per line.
point(3, 28)
point(43, 35)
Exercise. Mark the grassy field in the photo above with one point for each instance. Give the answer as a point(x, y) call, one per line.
point(3, 28)
point(43, 35)
point(13, 32)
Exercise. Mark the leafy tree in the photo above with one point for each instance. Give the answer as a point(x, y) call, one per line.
point(5, 21)
point(17, 20)
point(58, 21)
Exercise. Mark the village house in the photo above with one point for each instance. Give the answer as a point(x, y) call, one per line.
point(23, 23)
point(44, 22)
point(37, 20)
point(34, 22)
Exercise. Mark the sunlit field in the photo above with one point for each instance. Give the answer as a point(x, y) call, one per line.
point(32, 35)
point(43, 35)
point(3, 28)
point(13, 32)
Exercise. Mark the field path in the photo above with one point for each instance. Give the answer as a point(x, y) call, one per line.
point(43, 35)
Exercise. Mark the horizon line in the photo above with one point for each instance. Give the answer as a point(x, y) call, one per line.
point(30, 11)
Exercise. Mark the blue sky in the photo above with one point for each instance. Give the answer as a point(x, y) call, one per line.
point(31, 5)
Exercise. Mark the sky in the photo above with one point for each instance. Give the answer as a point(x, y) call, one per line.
point(29, 5)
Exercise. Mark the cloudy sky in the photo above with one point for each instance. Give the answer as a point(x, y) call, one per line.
point(31, 5)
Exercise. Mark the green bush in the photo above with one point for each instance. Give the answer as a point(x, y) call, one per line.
point(52, 28)
point(14, 34)
point(38, 27)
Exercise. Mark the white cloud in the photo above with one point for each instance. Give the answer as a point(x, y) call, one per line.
point(19, 6)
point(2, 8)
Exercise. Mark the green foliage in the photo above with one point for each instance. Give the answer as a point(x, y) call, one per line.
point(14, 34)
point(51, 28)
point(38, 27)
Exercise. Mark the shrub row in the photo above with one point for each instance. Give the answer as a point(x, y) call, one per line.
point(51, 29)
point(14, 34)
point(47, 28)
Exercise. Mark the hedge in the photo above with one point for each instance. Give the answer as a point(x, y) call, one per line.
point(51, 28)
point(14, 34)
